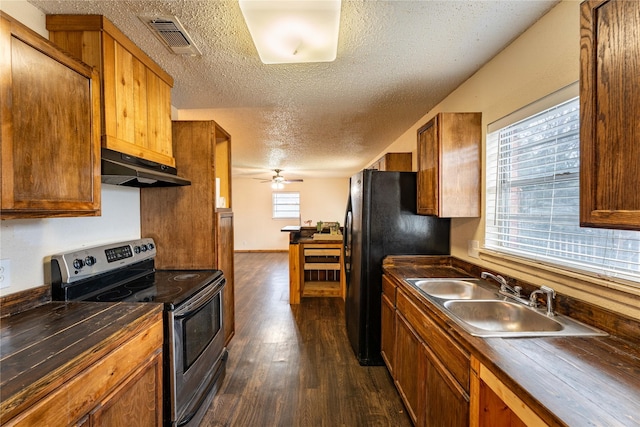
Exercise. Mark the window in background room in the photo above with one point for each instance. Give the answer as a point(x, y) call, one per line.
point(533, 194)
point(286, 204)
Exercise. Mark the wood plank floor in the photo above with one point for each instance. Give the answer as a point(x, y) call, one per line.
point(293, 365)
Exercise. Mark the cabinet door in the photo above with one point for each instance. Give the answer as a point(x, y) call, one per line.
point(387, 342)
point(398, 162)
point(428, 176)
point(136, 92)
point(609, 111)
point(449, 165)
point(183, 218)
point(224, 250)
point(137, 402)
point(409, 368)
point(50, 128)
point(494, 404)
point(446, 403)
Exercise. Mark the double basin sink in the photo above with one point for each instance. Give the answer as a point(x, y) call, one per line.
point(483, 312)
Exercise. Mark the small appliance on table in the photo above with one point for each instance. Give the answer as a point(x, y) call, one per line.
point(194, 356)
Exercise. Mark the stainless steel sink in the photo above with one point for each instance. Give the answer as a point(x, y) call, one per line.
point(508, 319)
point(453, 289)
point(480, 310)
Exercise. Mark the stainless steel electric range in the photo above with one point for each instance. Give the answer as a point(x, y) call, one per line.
point(194, 354)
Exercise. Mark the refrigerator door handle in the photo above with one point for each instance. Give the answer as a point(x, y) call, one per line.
point(347, 238)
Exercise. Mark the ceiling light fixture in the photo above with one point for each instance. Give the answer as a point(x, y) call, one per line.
point(290, 31)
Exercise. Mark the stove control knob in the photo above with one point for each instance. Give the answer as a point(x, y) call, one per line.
point(151, 246)
point(136, 249)
point(78, 263)
point(89, 261)
point(144, 248)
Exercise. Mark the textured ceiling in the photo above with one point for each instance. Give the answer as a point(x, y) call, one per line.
point(396, 60)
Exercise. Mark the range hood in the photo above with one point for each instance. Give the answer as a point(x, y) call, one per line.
point(131, 171)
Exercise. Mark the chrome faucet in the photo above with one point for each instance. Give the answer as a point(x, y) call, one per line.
point(551, 294)
point(504, 286)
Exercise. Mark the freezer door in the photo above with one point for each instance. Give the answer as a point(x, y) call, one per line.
point(354, 304)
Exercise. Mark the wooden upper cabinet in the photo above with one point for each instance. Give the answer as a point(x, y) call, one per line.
point(136, 92)
point(610, 114)
point(397, 162)
point(449, 165)
point(50, 149)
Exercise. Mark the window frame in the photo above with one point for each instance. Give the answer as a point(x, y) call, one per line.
point(494, 242)
point(275, 205)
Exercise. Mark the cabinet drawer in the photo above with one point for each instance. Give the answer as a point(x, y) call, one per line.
point(321, 252)
point(389, 290)
point(450, 354)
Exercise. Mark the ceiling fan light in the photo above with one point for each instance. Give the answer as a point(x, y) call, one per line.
point(277, 185)
point(291, 31)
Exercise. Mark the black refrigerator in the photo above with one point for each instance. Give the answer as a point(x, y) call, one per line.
point(381, 220)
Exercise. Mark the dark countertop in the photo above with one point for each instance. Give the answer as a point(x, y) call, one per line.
point(305, 235)
point(568, 381)
point(42, 347)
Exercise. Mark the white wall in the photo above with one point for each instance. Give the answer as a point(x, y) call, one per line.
point(254, 229)
point(26, 243)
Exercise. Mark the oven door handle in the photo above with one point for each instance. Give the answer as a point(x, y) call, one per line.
point(199, 301)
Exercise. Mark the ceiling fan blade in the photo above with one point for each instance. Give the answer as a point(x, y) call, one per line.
point(289, 181)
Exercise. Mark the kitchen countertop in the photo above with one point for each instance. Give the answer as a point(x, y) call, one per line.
point(573, 381)
point(43, 347)
point(305, 235)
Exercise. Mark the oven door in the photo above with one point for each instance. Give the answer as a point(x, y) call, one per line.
point(196, 355)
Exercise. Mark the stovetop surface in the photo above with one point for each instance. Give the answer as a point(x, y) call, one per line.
point(170, 287)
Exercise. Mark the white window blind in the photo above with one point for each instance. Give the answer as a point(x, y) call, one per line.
point(533, 198)
point(286, 204)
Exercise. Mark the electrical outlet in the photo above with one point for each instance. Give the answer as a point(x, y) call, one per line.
point(473, 248)
point(5, 273)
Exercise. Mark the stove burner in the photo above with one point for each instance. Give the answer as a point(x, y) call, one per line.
point(114, 295)
point(186, 276)
point(137, 286)
point(168, 293)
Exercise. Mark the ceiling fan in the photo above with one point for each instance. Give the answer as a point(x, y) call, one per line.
point(277, 181)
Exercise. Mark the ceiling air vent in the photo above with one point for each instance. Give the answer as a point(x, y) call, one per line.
point(172, 34)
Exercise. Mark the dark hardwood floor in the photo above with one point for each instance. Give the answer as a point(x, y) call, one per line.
point(293, 365)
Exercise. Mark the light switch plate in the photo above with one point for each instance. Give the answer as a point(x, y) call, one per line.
point(5, 273)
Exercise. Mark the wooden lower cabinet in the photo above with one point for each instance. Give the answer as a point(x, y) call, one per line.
point(446, 403)
point(387, 343)
point(136, 402)
point(430, 370)
point(494, 404)
point(123, 388)
point(408, 370)
point(439, 381)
